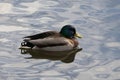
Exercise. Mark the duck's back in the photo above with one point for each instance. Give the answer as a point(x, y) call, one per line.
point(42, 35)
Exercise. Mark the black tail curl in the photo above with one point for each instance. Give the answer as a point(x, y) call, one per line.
point(28, 44)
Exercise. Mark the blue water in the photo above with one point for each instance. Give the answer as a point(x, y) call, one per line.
point(97, 20)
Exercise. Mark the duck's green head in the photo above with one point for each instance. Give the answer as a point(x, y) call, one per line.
point(69, 32)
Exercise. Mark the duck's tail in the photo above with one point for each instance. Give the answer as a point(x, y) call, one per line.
point(27, 44)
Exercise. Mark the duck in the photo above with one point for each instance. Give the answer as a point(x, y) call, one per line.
point(64, 40)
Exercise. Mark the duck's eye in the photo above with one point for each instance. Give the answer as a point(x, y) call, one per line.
point(72, 31)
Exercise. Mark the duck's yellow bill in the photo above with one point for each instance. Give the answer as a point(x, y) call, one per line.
point(78, 35)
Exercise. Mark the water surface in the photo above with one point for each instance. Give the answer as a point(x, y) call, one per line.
point(97, 20)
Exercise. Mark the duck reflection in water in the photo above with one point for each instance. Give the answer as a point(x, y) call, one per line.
point(64, 56)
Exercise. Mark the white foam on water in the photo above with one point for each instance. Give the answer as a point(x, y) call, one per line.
point(46, 19)
point(18, 65)
point(5, 8)
point(48, 73)
point(31, 7)
point(41, 20)
point(4, 40)
point(5, 54)
point(8, 28)
point(97, 37)
point(113, 44)
point(54, 78)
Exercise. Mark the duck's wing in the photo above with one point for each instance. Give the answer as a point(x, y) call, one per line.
point(49, 42)
point(41, 35)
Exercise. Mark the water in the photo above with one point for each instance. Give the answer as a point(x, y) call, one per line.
point(97, 20)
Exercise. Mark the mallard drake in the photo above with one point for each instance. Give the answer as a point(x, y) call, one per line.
point(52, 40)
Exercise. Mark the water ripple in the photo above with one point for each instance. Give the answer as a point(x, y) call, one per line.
point(97, 20)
